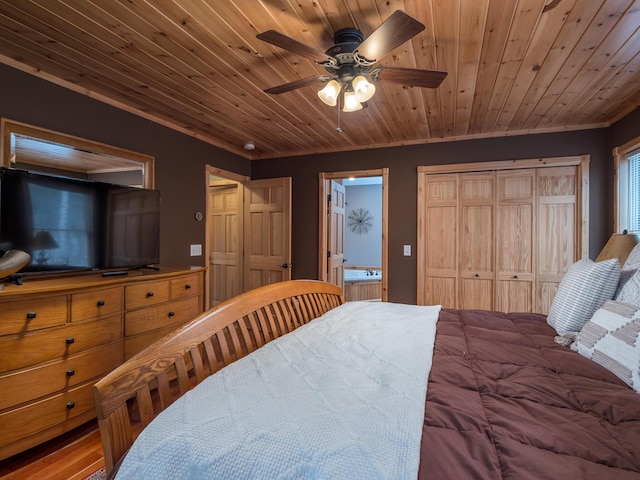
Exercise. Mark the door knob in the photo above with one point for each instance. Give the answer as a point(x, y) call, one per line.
point(286, 265)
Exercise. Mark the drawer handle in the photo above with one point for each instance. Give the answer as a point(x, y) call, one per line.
point(31, 315)
point(172, 314)
point(71, 372)
point(477, 275)
point(515, 276)
point(149, 294)
point(100, 303)
point(70, 405)
point(187, 286)
point(70, 340)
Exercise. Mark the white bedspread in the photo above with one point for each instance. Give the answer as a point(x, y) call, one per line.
point(340, 398)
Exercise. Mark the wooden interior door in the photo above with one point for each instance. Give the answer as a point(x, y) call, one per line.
point(225, 257)
point(336, 234)
point(476, 230)
point(540, 227)
point(267, 232)
point(557, 230)
point(440, 252)
point(515, 241)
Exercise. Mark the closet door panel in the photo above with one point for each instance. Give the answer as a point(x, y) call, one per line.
point(477, 259)
point(441, 291)
point(476, 293)
point(441, 252)
point(514, 296)
point(514, 240)
point(557, 230)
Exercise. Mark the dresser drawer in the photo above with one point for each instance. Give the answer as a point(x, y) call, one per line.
point(186, 286)
point(38, 416)
point(96, 303)
point(146, 294)
point(31, 348)
point(137, 343)
point(153, 318)
point(32, 314)
point(36, 382)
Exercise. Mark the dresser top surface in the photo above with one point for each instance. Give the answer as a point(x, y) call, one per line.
point(74, 282)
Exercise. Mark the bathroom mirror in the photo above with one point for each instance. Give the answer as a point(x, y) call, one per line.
point(28, 147)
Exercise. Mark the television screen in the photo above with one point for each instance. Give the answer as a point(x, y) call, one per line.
point(68, 224)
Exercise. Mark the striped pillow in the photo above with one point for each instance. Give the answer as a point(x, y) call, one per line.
point(610, 338)
point(583, 289)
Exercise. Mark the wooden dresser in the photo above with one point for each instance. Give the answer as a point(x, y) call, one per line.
point(58, 336)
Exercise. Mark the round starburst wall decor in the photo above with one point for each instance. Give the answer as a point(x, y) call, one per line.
point(360, 220)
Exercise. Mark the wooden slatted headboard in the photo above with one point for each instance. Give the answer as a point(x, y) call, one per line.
point(133, 394)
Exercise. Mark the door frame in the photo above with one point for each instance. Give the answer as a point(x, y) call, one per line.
point(235, 177)
point(322, 219)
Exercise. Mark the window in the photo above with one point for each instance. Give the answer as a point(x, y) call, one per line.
point(627, 200)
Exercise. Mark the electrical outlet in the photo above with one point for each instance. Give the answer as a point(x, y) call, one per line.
point(407, 250)
point(196, 250)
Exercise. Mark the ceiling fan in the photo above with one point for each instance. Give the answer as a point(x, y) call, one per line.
point(352, 62)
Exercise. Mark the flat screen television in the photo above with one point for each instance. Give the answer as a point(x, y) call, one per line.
point(68, 224)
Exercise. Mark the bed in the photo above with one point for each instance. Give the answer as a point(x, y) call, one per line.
point(504, 400)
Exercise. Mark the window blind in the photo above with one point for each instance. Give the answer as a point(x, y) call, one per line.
point(633, 209)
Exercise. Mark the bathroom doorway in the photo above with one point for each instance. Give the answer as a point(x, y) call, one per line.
point(353, 232)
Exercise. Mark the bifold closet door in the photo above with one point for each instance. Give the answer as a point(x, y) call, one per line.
point(476, 232)
point(515, 240)
point(558, 224)
point(441, 240)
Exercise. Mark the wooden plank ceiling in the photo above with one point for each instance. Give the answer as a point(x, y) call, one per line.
point(514, 66)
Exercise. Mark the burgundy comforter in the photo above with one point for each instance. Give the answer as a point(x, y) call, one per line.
point(506, 402)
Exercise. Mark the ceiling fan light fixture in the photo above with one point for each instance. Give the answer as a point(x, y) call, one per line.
point(351, 103)
point(329, 94)
point(363, 89)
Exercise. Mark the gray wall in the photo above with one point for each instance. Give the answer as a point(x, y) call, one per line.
point(626, 129)
point(179, 159)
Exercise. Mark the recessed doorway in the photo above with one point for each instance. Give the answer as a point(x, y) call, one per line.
point(357, 222)
point(248, 233)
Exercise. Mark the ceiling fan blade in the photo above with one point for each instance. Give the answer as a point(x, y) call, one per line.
point(412, 77)
point(303, 82)
point(394, 31)
point(281, 40)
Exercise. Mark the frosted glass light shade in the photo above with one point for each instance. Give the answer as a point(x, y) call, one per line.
point(363, 89)
point(329, 94)
point(351, 103)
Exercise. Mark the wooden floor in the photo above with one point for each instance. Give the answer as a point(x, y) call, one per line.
point(71, 456)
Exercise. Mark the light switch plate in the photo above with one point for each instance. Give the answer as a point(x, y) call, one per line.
point(196, 250)
point(407, 250)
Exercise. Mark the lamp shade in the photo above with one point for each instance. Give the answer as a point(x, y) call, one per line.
point(619, 246)
point(363, 89)
point(44, 241)
point(329, 94)
point(351, 103)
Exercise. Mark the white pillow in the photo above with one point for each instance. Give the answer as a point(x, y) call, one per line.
point(610, 338)
point(583, 289)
